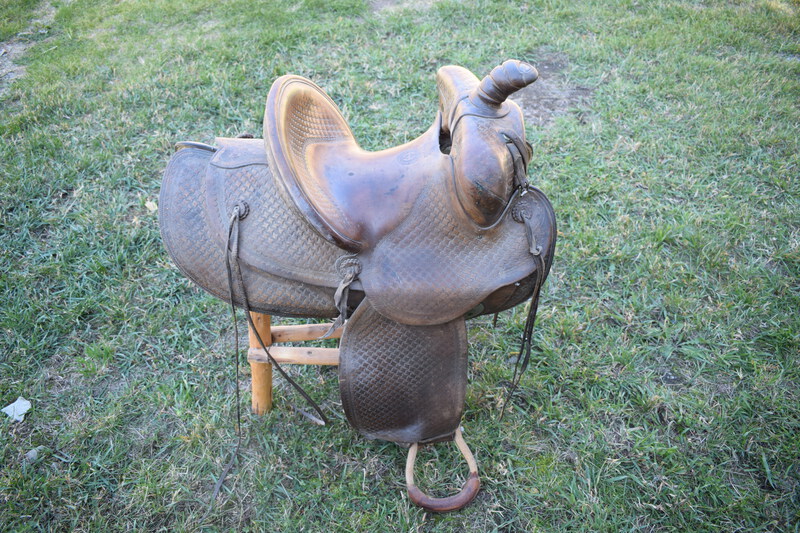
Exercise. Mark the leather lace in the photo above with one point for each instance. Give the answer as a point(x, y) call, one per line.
point(348, 268)
point(234, 273)
point(518, 153)
point(233, 252)
point(525, 348)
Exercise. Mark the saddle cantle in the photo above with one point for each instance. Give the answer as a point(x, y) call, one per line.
point(352, 197)
point(408, 242)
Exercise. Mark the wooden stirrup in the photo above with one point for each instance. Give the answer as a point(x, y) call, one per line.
point(450, 503)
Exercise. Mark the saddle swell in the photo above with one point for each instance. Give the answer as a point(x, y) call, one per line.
point(487, 136)
point(408, 242)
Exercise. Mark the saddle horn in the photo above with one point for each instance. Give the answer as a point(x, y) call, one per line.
point(485, 136)
point(503, 81)
point(457, 84)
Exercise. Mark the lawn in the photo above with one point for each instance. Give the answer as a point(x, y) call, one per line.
point(664, 388)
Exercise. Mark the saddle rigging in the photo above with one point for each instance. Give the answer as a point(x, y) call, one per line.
point(407, 242)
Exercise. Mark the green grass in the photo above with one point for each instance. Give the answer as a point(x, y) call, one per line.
point(15, 15)
point(664, 391)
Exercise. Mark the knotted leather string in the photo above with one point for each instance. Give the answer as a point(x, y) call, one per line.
point(232, 249)
point(523, 359)
point(349, 267)
point(235, 218)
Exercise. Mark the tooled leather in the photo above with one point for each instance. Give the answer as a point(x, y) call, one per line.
point(431, 269)
point(299, 119)
point(276, 239)
point(185, 230)
point(436, 266)
point(402, 383)
point(313, 122)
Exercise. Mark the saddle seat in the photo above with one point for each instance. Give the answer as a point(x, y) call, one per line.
point(352, 197)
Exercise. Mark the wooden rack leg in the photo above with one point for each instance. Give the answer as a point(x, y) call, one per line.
point(262, 372)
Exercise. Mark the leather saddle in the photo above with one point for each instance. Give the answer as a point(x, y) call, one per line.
point(400, 245)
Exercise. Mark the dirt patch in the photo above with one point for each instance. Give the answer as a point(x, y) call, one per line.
point(378, 6)
point(10, 52)
point(13, 49)
point(552, 95)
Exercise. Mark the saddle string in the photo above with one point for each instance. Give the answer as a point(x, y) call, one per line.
point(520, 155)
point(340, 301)
point(523, 359)
point(231, 265)
point(235, 218)
point(232, 244)
point(349, 268)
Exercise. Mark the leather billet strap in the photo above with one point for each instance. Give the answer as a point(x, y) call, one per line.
point(450, 503)
point(348, 267)
point(523, 213)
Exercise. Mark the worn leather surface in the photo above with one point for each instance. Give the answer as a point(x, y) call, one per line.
point(428, 226)
point(352, 196)
point(436, 266)
point(200, 188)
point(191, 233)
point(275, 238)
point(437, 227)
point(402, 383)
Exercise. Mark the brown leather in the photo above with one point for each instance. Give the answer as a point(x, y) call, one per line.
point(410, 240)
point(351, 196)
point(438, 265)
point(292, 268)
point(190, 220)
point(380, 364)
point(425, 218)
point(480, 126)
point(354, 197)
